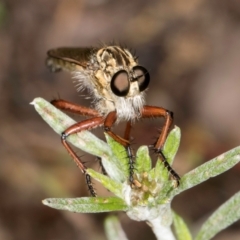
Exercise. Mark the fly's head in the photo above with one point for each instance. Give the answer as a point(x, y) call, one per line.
point(111, 74)
point(122, 82)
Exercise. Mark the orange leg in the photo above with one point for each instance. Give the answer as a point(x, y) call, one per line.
point(127, 130)
point(88, 124)
point(74, 108)
point(150, 111)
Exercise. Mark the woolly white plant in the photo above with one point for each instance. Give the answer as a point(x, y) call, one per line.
point(150, 199)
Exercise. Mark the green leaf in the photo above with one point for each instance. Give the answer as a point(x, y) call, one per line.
point(114, 229)
point(161, 173)
point(171, 145)
point(87, 204)
point(121, 157)
point(208, 170)
point(223, 217)
point(107, 182)
point(143, 161)
point(180, 227)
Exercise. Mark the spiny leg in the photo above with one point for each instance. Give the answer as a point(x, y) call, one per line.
point(101, 166)
point(150, 111)
point(109, 121)
point(130, 154)
point(78, 127)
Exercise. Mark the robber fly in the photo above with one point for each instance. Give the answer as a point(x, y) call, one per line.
point(117, 85)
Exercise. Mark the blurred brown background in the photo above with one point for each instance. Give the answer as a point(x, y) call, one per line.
point(192, 50)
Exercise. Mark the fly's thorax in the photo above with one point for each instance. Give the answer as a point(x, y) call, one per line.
point(112, 58)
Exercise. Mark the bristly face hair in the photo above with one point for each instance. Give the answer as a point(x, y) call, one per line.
point(111, 74)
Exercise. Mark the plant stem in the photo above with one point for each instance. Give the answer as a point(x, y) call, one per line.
point(162, 232)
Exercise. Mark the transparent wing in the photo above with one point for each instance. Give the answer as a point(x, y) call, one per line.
point(69, 59)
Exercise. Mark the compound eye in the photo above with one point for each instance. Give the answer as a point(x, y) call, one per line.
point(141, 75)
point(120, 83)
